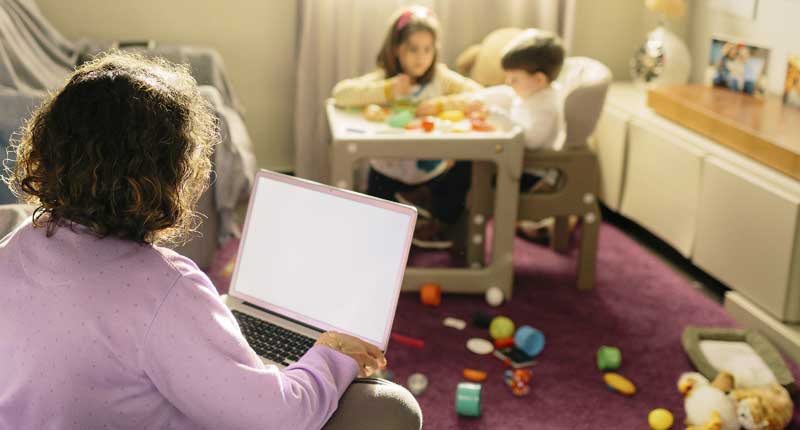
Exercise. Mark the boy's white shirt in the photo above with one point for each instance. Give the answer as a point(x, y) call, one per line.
point(540, 115)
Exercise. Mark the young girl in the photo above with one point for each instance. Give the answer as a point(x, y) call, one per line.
point(103, 328)
point(408, 70)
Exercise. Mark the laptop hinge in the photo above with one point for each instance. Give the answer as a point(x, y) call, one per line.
point(283, 317)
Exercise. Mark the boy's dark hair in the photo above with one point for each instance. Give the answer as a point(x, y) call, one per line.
point(404, 23)
point(535, 51)
point(122, 149)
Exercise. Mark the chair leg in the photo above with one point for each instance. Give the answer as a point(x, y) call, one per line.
point(560, 239)
point(587, 257)
point(479, 210)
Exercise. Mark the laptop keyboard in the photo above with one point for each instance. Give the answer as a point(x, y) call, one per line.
point(271, 341)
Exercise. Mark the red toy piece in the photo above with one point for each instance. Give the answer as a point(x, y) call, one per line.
point(410, 341)
point(428, 123)
point(519, 380)
point(481, 125)
point(430, 294)
point(504, 342)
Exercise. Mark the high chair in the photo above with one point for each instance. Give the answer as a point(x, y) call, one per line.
point(584, 82)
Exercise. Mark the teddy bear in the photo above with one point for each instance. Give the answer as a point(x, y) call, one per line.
point(481, 62)
point(718, 405)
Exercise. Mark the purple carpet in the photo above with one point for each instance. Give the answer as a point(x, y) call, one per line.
point(639, 304)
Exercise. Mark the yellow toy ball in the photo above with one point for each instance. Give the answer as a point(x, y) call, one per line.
point(660, 419)
point(452, 115)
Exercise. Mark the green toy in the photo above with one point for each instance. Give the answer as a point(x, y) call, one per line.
point(401, 118)
point(608, 358)
point(501, 327)
point(468, 399)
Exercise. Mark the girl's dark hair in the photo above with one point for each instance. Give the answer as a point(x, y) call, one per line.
point(122, 149)
point(535, 51)
point(406, 22)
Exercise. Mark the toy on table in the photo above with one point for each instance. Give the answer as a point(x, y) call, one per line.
point(468, 399)
point(660, 419)
point(479, 346)
point(452, 115)
point(529, 340)
point(519, 380)
point(428, 123)
point(494, 296)
point(417, 383)
point(474, 375)
point(501, 327)
point(430, 294)
point(481, 125)
point(375, 113)
point(620, 384)
point(401, 119)
point(410, 341)
point(608, 358)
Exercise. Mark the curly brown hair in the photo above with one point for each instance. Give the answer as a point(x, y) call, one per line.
point(123, 149)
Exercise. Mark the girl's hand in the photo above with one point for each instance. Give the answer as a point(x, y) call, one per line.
point(429, 107)
point(401, 85)
point(369, 357)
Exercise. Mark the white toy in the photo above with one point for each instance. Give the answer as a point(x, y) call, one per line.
point(706, 405)
point(494, 296)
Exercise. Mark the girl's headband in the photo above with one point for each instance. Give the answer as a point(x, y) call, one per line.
point(406, 16)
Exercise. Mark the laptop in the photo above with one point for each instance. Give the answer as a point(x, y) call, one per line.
point(315, 258)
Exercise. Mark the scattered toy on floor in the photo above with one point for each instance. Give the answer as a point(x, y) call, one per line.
point(479, 346)
point(417, 383)
point(706, 403)
point(519, 380)
point(530, 340)
point(620, 384)
point(474, 375)
point(505, 342)
point(468, 399)
point(430, 294)
point(409, 341)
point(609, 358)
point(482, 320)
point(494, 296)
point(501, 327)
point(455, 323)
point(660, 419)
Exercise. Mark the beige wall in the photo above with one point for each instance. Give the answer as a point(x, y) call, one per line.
point(611, 30)
point(775, 27)
point(256, 39)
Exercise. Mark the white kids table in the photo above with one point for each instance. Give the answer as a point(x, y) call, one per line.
point(354, 138)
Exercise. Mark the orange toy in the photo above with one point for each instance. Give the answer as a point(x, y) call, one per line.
point(474, 375)
point(430, 294)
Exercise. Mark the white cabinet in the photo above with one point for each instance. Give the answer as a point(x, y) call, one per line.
point(747, 234)
point(610, 143)
point(662, 183)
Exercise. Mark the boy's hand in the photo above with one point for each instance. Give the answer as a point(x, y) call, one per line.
point(401, 86)
point(369, 358)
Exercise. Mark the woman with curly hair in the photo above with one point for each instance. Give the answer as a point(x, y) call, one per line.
point(103, 328)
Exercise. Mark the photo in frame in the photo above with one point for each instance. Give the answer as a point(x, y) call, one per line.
point(791, 89)
point(737, 65)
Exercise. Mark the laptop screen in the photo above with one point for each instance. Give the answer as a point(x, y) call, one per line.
point(326, 257)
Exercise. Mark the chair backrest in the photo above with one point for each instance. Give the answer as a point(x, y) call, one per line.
point(585, 82)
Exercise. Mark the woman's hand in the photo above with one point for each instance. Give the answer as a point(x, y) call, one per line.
point(401, 85)
point(369, 358)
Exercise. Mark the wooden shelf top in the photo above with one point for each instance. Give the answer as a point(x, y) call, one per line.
point(763, 129)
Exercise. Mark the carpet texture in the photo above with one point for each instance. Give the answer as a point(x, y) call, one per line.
point(639, 305)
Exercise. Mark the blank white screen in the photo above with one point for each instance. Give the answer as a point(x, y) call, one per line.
point(326, 257)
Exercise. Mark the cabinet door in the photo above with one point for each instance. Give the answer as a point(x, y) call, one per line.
point(662, 183)
point(609, 143)
point(746, 234)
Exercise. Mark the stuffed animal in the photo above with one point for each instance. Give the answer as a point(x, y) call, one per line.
point(706, 405)
point(764, 408)
point(481, 62)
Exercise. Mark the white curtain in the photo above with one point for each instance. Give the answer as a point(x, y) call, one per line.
point(339, 39)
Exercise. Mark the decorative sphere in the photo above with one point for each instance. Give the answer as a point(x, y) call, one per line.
point(663, 58)
point(494, 296)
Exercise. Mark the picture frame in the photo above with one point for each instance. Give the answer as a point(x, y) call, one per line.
point(791, 88)
point(737, 65)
